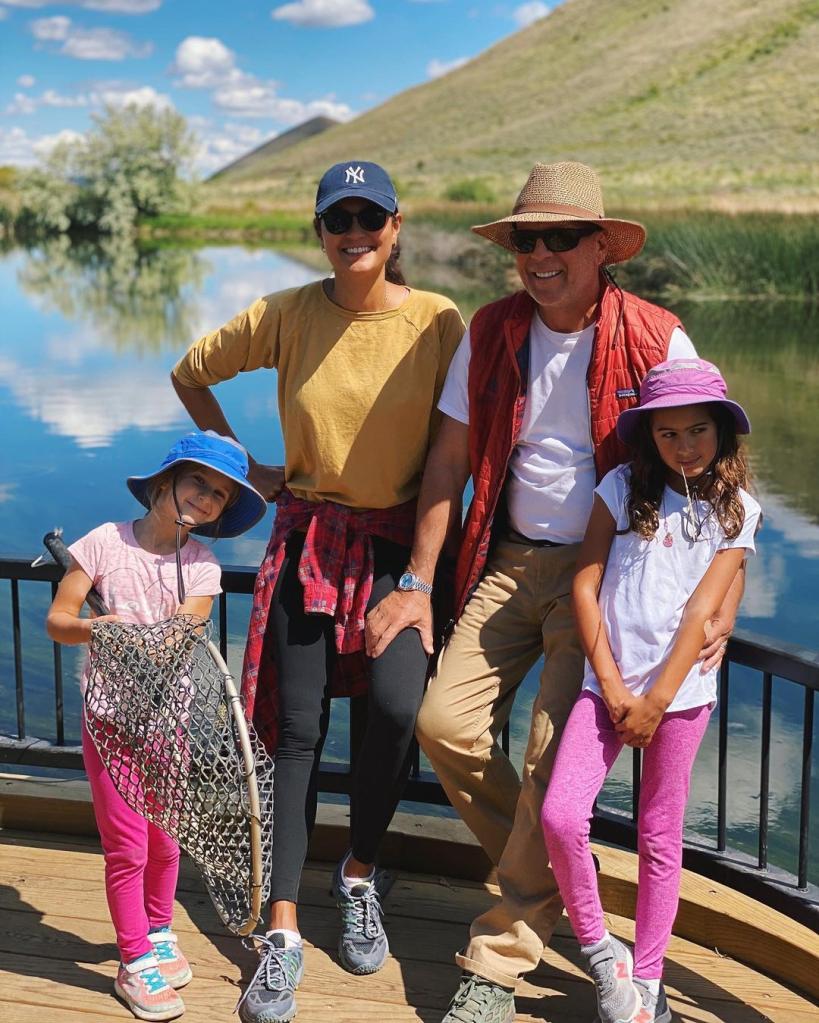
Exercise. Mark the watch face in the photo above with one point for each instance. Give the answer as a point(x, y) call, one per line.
point(406, 581)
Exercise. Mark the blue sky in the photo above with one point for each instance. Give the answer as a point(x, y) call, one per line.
point(241, 71)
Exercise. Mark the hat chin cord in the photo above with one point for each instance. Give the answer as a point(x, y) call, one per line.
point(180, 582)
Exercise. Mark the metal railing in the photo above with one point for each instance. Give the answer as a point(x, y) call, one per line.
point(789, 891)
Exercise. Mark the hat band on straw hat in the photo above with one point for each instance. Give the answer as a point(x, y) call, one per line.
point(577, 212)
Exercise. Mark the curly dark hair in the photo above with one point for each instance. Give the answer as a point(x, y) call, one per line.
point(392, 271)
point(720, 486)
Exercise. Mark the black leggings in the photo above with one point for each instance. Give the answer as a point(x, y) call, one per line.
point(305, 657)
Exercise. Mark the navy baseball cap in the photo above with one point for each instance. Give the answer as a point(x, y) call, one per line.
point(356, 179)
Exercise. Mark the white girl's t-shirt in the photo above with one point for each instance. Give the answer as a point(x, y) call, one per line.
point(138, 586)
point(647, 584)
point(550, 487)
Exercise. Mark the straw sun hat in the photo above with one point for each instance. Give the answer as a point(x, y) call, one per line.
point(560, 193)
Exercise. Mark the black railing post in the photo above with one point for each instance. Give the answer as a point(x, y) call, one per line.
point(722, 768)
point(18, 659)
point(765, 770)
point(804, 809)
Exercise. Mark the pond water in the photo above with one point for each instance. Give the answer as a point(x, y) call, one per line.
point(90, 335)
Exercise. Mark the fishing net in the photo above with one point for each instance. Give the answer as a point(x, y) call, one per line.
point(163, 712)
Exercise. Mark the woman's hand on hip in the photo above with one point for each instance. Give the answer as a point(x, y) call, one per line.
point(399, 610)
point(267, 479)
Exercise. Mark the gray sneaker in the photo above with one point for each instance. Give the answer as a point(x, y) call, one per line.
point(609, 964)
point(270, 996)
point(654, 1008)
point(363, 946)
point(480, 1001)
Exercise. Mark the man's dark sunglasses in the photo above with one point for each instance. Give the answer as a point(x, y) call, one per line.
point(556, 239)
point(337, 219)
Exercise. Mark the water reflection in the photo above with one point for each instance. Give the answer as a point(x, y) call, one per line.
point(135, 299)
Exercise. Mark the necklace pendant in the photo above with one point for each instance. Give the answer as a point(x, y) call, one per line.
point(668, 540)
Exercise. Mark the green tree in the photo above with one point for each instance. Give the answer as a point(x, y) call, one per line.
point(133, 163)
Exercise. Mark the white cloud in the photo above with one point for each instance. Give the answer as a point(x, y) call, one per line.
point(20, 149)
point(206, 63)
point(43, 145)
point(3, 13)
point(16, 147)
point(115, 6)
point(116, 94)
point(123, 96)
point(25, 104)
point(26, 81)
point(219, 147)
point(51, 29)
point(253, 98)
point(88, 43)
point(436, 68)
point(324, 13)
point(529, 13)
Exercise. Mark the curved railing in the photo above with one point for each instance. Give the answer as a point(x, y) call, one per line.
point(779, 665)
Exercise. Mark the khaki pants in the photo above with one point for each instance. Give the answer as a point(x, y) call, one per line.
point(519, 609)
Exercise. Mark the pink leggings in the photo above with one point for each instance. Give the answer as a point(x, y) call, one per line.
point(141, 862)
point(587, 753)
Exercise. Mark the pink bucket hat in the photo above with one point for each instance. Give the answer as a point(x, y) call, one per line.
point(680, 382)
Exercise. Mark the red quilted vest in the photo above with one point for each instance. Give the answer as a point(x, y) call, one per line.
point(631, 336)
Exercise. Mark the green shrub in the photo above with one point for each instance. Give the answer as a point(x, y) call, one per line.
point(469, 190)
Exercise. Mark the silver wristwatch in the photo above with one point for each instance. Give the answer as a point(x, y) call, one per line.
point(410, 581)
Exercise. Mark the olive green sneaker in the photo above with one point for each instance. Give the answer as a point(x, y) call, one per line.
point(480, 1001)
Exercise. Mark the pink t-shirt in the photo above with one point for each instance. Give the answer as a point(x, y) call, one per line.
point(138, 586)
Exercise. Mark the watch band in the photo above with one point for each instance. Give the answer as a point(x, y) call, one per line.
point(410, 581)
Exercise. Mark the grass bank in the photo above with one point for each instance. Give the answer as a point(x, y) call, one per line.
point(687, 255)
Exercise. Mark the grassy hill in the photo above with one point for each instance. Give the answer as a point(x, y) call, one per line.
point(253, 163)
point(677, 103)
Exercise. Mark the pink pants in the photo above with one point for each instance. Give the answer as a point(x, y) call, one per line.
point(587, 752)
point(141, 862)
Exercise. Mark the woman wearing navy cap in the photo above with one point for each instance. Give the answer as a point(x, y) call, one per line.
point(361, 360)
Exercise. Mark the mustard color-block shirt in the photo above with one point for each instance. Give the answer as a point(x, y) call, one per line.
point(358, 392)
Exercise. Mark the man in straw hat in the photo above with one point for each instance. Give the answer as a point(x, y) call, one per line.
point(530, 405)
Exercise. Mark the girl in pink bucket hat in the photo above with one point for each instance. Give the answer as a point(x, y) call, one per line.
point(667, 535)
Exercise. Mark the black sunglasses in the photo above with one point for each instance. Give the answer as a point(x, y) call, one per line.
point(556, 239)
point(337, 219)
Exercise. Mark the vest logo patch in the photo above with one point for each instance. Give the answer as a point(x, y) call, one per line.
point(354, 175)
point(626, 392)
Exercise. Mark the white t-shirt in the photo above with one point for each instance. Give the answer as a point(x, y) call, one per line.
point(552, 472)
point(647, 584)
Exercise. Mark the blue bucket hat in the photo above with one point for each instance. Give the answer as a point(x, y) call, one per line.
point(356, 179)
point(224, 455)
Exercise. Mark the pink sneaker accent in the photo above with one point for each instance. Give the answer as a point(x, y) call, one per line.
point(173, 965)
point(144, 990)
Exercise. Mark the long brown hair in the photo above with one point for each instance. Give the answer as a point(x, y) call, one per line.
point(720, 486)
point(392, 271)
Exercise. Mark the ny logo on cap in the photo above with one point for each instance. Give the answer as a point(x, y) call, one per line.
point(355, 176)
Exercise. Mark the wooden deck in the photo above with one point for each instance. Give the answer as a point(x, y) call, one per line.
point(57, 955)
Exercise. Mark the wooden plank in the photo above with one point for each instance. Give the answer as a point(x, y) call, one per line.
point(57, 944)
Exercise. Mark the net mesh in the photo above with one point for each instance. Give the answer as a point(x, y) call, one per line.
point(159, 712)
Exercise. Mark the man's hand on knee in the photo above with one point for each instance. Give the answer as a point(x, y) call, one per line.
point(399, 610)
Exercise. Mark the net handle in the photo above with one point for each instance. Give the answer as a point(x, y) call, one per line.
point(53, 542)
point(238, 713)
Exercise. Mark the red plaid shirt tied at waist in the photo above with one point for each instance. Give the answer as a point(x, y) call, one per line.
point(336, 571)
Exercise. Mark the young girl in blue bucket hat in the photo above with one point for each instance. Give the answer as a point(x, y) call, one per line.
point(147, 571)
point(667, 534)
